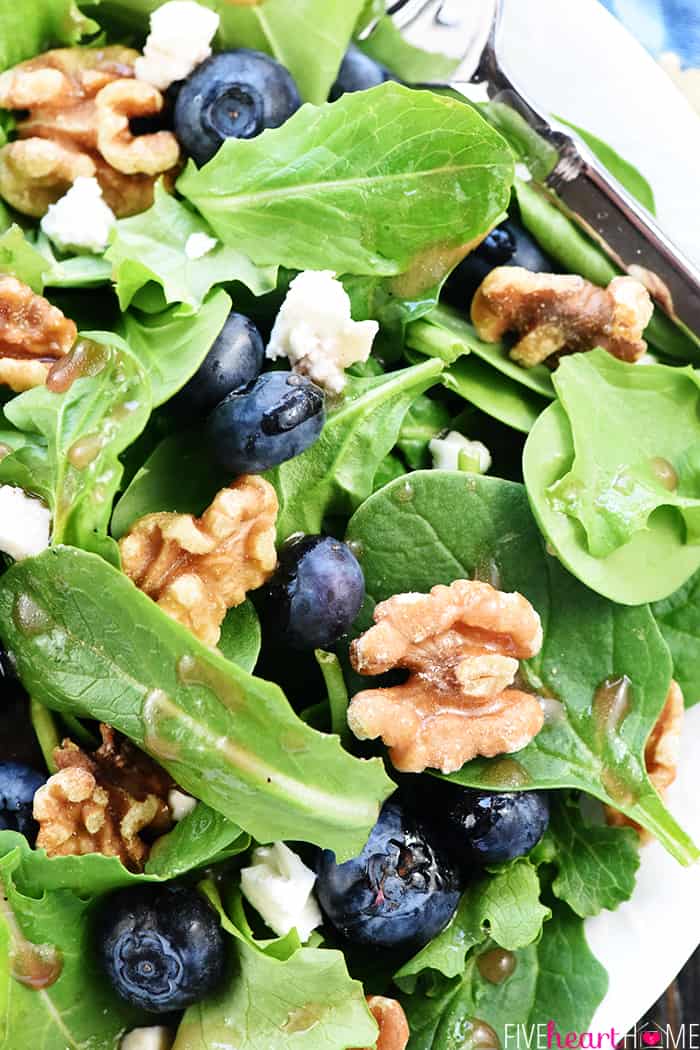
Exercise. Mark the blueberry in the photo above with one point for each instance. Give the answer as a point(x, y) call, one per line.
point(399, 893)
point(162, 947)
point(493, 827)
point(274, 419)
point(316, 593)
point(357, 73)
point(234, 361)
point(233, 94)
point(508, 245)
point(18, 783)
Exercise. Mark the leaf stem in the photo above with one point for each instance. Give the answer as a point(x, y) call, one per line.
point(652, 814)
point(77, 730)
point(337, 692)
point(44, 725)
point(435, 341)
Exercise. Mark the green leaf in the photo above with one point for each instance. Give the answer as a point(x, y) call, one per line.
point(75, 438)
point(414, 65)
point(661, 547)
point(360, 186)
point(88, 642)
point(425, 419)
point(678, 617)
point(28, 29)
point(596, 864)
point(171, 345)
point(78, 1009)
point(388, 470)
point(75, 271)
point(504, 906)
point(625, 172)
point(636, 447)
point(151, 247)
point(240, 636)
point(19, 258)
point(494, 393)
point(337, 473)
point(412, 541)
point(202, 837)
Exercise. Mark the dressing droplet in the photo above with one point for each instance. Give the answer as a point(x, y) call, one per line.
point(664, 473)
point(496, 965)
point(403, 493)
point(506, 773)
point(29, 617)
point(85, 359)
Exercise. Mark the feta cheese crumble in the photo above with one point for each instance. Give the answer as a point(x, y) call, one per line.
point(80, 220)
point(445, 452)
point(280, 887)
point(180, 804)
point(179, 40)
point(154, 1038)
point(25, 523)
point(199, 244)
point(315, 330)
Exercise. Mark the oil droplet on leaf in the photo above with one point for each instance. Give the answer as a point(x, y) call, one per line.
point(357, 547)
point(36, 966)
point(664, 473)
point(193, 671)
point(497, 965)
point(403, 493)
point(29, 617)
point(506, 773)
point(85, 451)
point(483, 1037)
point(611, 704)
point(154, 714)
point(85, 359)
point(303, 1018)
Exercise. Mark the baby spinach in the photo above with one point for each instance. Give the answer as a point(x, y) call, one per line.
point(494, 393)
point(21, 259)
point(386, 45)
point(360, 186)
point(71, 271)
point(337, 473)
point(550, 453)
point(88, 642)
point(172, 344)
point(678, 617)
point(629, 176)
point(425, 419)
point(152, 247)
point(26, 30)
point(74, 439)
point(414, 536)
point(204, 836)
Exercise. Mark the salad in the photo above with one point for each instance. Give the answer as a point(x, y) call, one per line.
point(349, 533)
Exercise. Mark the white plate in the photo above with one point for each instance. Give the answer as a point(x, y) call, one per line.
point(576, 60)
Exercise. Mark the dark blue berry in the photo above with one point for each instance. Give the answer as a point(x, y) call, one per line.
point(18, 784)
point(508, 245)
point(234, 361)
point(316, 593)
point(233, 94)
point(357, 73)
point(274, 419)
point(493, 827)
point(162, 947)
point(399, 893)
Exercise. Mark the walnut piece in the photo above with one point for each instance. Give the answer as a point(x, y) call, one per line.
point(660, 754)
point(461, 645)
point(198, 568)
point(389, 1014)
point(68, 122)
point(561, 313)
point(33, 334)
point(101, 803)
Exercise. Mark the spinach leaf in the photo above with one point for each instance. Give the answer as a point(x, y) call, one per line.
point(47, 934)
point(425, 419)
point(678, 617)
point(171, 345)
point(667, 559)
point(19, 258)
point(27, 29)
point(625, 173)
point(494, 393)
point(503, 906)
point(636, 448)
point(411, 540)
point(88, 642)
point(360, 186)
point(337, 473)
point(241, 636)
point(202, 837)
point(74, 439)
point(388, 470)
point(152, 247)
point(596, 864)
point(73, 271)
point(386, 45)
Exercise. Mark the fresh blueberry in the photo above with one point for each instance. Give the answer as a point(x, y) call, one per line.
point(18, 784)
point(274, 419)
point(508, 245)
point(234, 361)
point(162, 947)
point(233, 94)
point(316, 592)
point(399, 893)
point(357, 73)
point(492, 827)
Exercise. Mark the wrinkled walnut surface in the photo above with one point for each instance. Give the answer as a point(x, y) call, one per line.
point(101, 802)
point(461, 646)
point(198, 568)
point(33, 334)
point(393, 1027)
point(561, 313)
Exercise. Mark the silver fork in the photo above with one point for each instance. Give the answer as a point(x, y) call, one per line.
point(573, 178)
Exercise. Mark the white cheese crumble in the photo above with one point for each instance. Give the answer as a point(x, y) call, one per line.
point(154, 1038)
point(80, 220)
point(199, 244)
point(280, 887)
point(179, 40)
point(315, 330)
point(25, 523)
point(445, 452)
point(180, 804)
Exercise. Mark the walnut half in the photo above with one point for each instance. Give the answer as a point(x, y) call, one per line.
point(461, 646)
point(561, 313)
point(198, 568)
point(33, 335)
